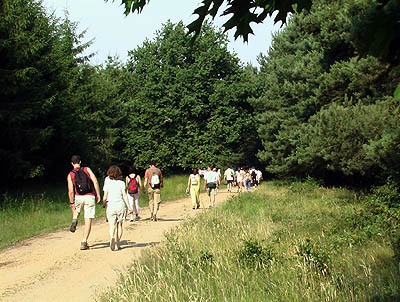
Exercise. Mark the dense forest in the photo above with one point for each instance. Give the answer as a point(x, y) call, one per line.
point(315, 107)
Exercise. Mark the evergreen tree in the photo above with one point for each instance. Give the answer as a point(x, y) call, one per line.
point(311, 70)
point(38, 56)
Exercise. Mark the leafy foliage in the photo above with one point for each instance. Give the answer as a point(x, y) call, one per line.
point(242, 12)
point(384, 203)
point(314, 256)
point(188, 103)
point(254, 255)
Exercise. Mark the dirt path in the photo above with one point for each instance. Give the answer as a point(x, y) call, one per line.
point(52, 268)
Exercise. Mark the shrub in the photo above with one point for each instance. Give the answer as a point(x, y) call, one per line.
point(315, 256)
point(307, 186)
point(253, 254)
point(384, 203)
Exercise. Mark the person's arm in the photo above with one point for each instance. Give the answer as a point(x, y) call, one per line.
point(146, 180)
point(189, 183)
point(162, 179)
point(96, 184)
point(125, 197)
point(140, 184)
point(105, 195)
point(71, 195)
point(199, 181)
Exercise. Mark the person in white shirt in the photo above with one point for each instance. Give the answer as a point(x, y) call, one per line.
point(259, 177)
point(229, 177)
point(239, 180)
point(211, 184)
point(115, 199)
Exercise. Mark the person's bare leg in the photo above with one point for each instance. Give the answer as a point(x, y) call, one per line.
point(119, 234)
point(87, 228)
point(112, 234)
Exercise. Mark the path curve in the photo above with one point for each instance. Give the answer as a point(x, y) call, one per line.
point(51, 267)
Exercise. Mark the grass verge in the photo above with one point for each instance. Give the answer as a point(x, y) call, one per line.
point(286, 242)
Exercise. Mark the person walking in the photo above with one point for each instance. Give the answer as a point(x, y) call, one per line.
point(239, 180)
point(83, 190)
point(154, 181)
point(253, 177)
point(247, 179)
point(133, 182)
point(193, 187)
point(229, 176)
point(211, 184)
point(259, 177)
point(115, 198)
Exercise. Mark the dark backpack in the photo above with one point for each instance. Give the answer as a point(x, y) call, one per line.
point(83, 183)
point(133, 187)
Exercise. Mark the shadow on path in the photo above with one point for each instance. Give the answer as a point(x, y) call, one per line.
point(125, 244)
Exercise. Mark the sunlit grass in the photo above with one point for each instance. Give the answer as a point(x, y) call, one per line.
point(296, 242)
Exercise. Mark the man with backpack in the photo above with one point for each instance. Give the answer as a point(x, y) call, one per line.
point(154, 181)
point(82, 188)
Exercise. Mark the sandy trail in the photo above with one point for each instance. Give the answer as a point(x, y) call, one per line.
point(52, 268)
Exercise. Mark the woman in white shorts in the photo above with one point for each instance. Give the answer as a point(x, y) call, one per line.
point(115, 198)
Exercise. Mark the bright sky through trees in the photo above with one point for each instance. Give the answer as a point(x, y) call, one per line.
point(115, 34)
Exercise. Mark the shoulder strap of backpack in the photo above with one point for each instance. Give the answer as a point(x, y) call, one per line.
point(84, 169)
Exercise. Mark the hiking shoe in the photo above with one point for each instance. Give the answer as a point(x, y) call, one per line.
point(137, 218)
point(131, 220)
point(154, 218)
point(84, 246)
point(198, 206)
point(112, 244)
point(74, 223)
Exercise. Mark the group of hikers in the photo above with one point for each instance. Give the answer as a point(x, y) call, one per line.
point(242, 178)
point(121, 198)
point(212, 178)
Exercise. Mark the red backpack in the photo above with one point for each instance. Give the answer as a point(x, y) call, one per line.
point(133, 186)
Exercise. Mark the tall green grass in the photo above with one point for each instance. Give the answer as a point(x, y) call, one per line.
point(46, 208)
point(296, 242)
